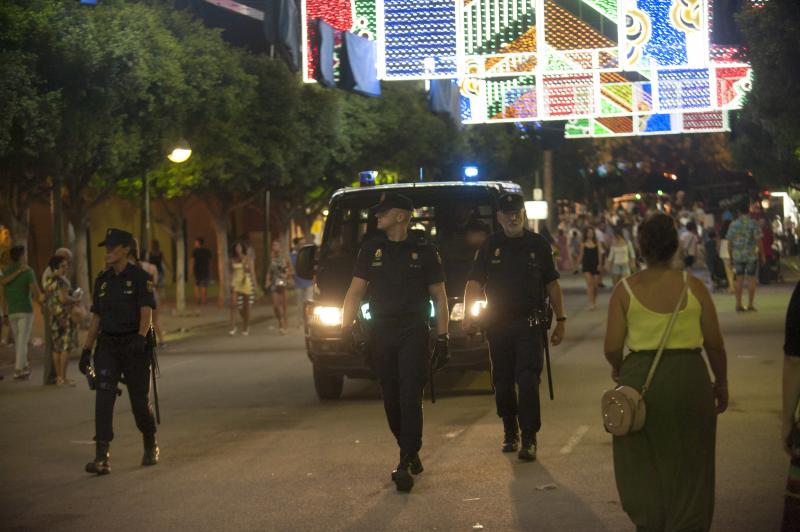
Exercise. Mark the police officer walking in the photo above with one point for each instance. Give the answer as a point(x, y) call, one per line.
point(122, 308)
point(400, 274)
point(515, 270)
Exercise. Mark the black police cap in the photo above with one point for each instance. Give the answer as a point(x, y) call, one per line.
point(510, 203)
point(116, 237)
point(393, 201)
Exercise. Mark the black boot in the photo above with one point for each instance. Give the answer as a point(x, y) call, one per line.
point(401, 476)
point(511, 438)
point(415, 465)
point(528, 450)
point(151, 450)
point(100, 464)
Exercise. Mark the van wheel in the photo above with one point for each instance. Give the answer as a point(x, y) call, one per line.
point(328, 385)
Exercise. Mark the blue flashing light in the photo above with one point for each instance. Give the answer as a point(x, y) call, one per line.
point(367, 178)
point(471, 172)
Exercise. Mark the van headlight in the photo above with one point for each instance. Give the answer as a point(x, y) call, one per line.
point(327, 316)
point(476, 308)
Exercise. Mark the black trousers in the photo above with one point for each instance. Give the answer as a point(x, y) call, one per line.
point(517, 357)
point(113, 361)
point(400, 352)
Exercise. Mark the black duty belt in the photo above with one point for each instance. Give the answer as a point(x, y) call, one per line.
point(118, 337)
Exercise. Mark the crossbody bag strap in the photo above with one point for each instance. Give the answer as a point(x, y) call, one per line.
point(667, 332)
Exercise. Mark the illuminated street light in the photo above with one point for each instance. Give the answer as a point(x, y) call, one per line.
point(181, 152)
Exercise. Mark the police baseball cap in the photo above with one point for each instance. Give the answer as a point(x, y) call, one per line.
point(510, 203)
point(116, 237)
point(393, 201)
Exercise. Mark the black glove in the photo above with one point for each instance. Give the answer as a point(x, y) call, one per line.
point(138, 345)
point(441, 352)
point(86, 360)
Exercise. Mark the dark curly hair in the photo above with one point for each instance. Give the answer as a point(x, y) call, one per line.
point(658, 238)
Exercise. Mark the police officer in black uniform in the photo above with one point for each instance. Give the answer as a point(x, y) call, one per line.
point(515, 270)
point(122, 308)
point(400, 273)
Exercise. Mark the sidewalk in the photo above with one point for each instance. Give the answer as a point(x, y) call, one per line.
point(175, 327)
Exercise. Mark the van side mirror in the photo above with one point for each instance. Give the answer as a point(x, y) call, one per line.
point(306, 262)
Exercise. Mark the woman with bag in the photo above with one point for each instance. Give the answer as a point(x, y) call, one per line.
point(665, 470)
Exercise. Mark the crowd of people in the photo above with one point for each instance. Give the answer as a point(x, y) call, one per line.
point(731, 251)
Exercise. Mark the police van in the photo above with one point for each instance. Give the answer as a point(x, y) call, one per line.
point(444, 215)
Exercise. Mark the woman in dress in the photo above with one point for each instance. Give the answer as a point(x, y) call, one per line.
point(63, 329)
point(242, 289)
point(589, 258)
point(665, 471)
point(279, 277)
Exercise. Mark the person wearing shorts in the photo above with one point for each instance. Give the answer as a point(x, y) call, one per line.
point(744, 236)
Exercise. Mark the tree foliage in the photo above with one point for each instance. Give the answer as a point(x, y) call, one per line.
point(768, 140)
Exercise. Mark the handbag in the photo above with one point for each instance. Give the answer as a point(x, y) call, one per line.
point(623, 408)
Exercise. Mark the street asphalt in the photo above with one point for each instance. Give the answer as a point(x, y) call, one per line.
point(246, 444)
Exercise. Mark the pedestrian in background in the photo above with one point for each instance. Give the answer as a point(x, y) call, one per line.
point(724, 252)
point(152, 271)
point(690, 241)
point(304, 288)
point(790, 427)
point(516, 271)
point(63, 328)
point(665, 471)
point(621, 258)
point(589, 258)
point(157, 259)
point(744, 236)
point(243, 293)
point(201, 269)
point(19, 285)
point(277, 283)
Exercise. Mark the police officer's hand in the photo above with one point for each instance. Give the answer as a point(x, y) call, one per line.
point(86, 360)
point(138, 345)
point(441, 352)
point(558, 333)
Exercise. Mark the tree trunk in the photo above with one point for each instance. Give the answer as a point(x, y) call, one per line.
point(81, 261)
point(220, 220)
point(19, 227)
point(180, 266)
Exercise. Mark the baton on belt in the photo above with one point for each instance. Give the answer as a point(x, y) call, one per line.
point(154, 370)
point(547, 323)
point(433, 387)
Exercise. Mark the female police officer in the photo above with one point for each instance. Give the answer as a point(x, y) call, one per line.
point(516, 269)
point(403, 274)
point(122, 308)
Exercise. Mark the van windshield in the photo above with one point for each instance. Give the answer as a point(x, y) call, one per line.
point(450, 219)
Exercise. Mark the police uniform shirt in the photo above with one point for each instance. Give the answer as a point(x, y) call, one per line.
point(399, 274)
point(118, 298)
point(514, 272)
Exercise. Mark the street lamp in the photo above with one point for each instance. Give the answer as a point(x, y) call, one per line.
point(181, 152)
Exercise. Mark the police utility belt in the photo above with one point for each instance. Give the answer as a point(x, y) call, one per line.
point(534, 317)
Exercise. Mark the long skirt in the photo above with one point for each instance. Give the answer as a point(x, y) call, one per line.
point(665, 472)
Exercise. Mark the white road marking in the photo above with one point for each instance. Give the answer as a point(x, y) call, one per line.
point(454, 434)
point(574, 439)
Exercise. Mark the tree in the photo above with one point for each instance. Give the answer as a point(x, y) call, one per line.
point(768, 133)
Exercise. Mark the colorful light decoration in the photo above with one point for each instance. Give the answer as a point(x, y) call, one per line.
point(608, 66)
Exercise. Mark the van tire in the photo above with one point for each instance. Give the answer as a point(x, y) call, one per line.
point(328, 385)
